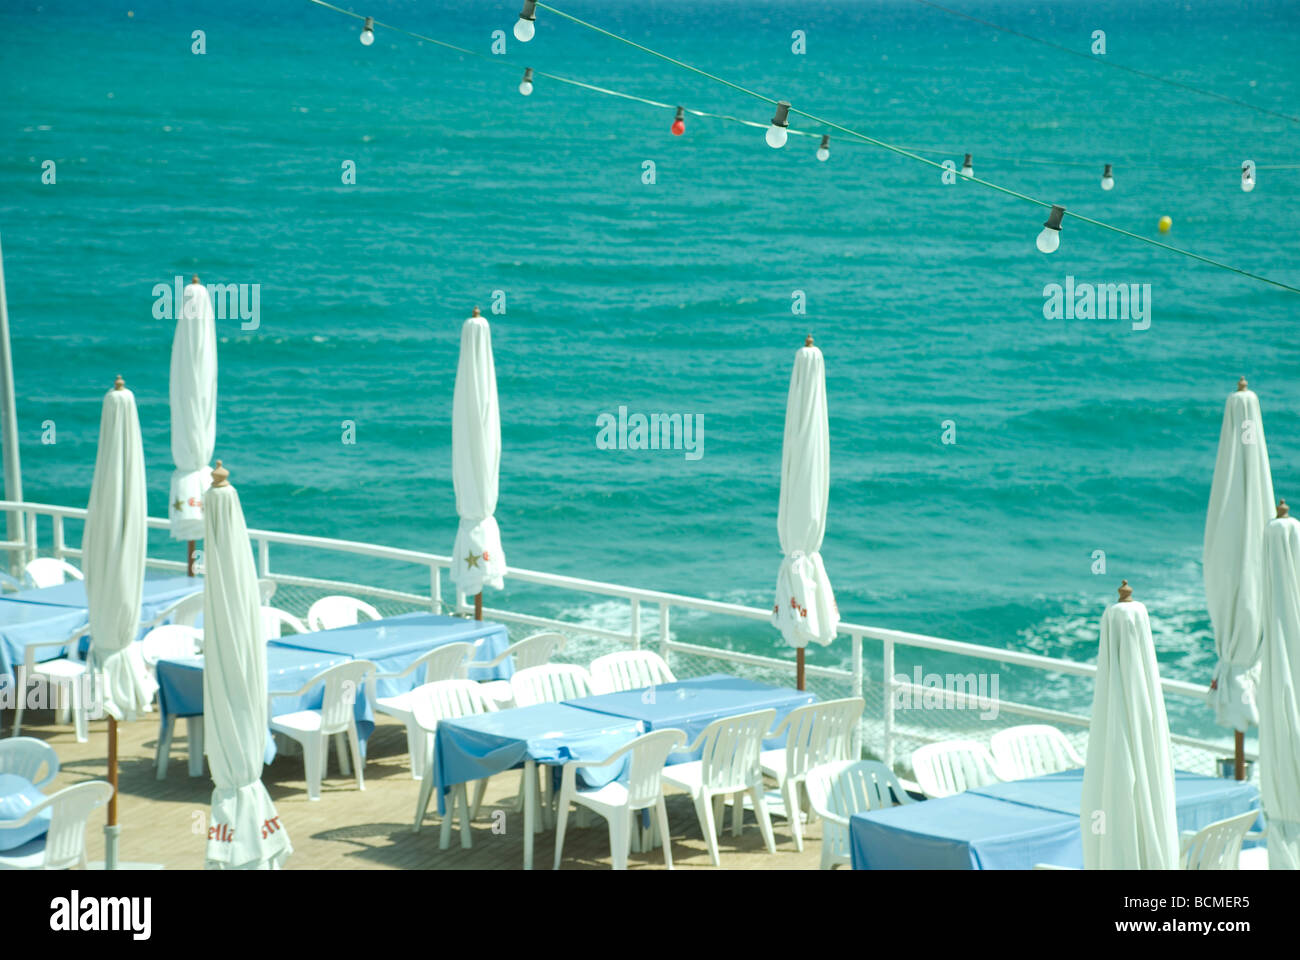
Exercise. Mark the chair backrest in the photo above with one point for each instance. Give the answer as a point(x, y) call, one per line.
point(338, 611)
point(50, 571)
point(188, 609)
point(266, 588)
point(846, 787)
point(534, 651)
point(1218, 845)
point(820, 733)
point(629, 670)
point(1033, 750)
point(70, 808)
point(343, 685)
point(25, 756)
point(170, 641)
point(447, 700)
point(550, 683)
point(274, 620)
point(943, 769)
point(446, 662)
point(731, 748)
point(646, 765)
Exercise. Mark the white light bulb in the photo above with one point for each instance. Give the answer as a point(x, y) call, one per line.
point(367, 37)
point(1108, 183)
point(776, 137)
point(823, 154)
point(968, 171)
point(524, 30)
point(1049, 240)
point(526, 88)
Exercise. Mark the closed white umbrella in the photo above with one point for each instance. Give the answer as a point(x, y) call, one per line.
point(113, 553)
point(1127, 808)
point(805, 609)
point(245, 832)
point(194, 413)
point(477, 557)
point(1241, 504)
point(1279, 690)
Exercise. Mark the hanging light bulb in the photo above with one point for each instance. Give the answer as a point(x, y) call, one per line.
point(967, 169)
point(368, 32)
point(1248, 175)
point(776, 133)
point(525, 26)
point(679, 125)
point(824, 151)
point(526, 87)
point(1050, 238)
point(1107, 178)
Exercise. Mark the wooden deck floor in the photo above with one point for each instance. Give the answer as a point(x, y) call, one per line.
point(347, 829)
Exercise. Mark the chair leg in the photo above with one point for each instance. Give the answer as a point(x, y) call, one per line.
point(354, 742)
point(340, 750)
point(444, 834)
point(466, 839)
point(164, 747)
point(194, 744)
point(704, 808)
point(790, 791)
point(619, 823)
point(737, 813)
point(79, 718)
point(422, 805)
point(21, 701)
point(661, 809)
point(415, 748)
point(720, 812)
point(764, 819)
point(561, 822)
point(314, 751)
point(480, 788)
point(62, 710)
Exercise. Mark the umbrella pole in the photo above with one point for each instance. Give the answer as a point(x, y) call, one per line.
point(1239, 744)
point(189, 559)
point(478, 605)
point(111, 829)
point(799, 668)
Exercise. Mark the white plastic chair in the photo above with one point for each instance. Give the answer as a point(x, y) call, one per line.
point(63, 672)
point(64, 844)
point(943, 769)
point(815, 734)
point(1033, 750)
point(629, 670)
point(836, 791)
point(274, 620)
point(550, 683)
point(1216, 846)
point(335, 718)
point(534, 651)
point(431, 704)
point(25, 756)
point(50, 572)
point(619, 802)
point(327, 613)
point(446, 662)
point(169, 642)
point(184, 612)
point(729, 765)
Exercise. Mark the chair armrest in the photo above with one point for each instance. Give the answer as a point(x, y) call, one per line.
point(292, 693)
point(691, 747)
point(27, 817)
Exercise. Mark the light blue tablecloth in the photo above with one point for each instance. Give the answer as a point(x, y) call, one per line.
point(393, 642)
point(1012, 826)
point(22, 624)
point(180, 688)
point(691, 705)
point(475, 747)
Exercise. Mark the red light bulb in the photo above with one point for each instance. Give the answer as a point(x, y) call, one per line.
point(679, 125)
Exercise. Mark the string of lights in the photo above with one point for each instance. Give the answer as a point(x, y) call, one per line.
point(779, 129)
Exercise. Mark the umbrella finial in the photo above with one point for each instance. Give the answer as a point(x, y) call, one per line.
point(476, 313)
point(194, 279)
point(1282, 509)
point(219, 475)
point(118, 382)
point(1125, 592)
point(808, 340)
point(1241, 384)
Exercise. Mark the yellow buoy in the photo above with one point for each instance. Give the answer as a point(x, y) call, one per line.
point(1165, 224)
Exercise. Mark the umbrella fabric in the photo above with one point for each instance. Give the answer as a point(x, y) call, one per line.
point(245, 832)
point(477, 557)
point(1279, 711)
point(1241, 505)
point(113, 550)
point(194, 411)
point(1127, 805)
point(805, 608)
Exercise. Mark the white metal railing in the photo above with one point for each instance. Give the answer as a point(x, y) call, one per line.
point(637, 598)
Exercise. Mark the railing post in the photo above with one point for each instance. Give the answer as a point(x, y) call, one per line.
point(460, 600)
point(636, 623)
point(32, 550)
point(56, 534)
point(263, 558)
point(663, 631)
point(435, 586)
point(889, 704)
point(856, 640)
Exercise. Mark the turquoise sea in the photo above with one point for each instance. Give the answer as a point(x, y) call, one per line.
point(1073, 436)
